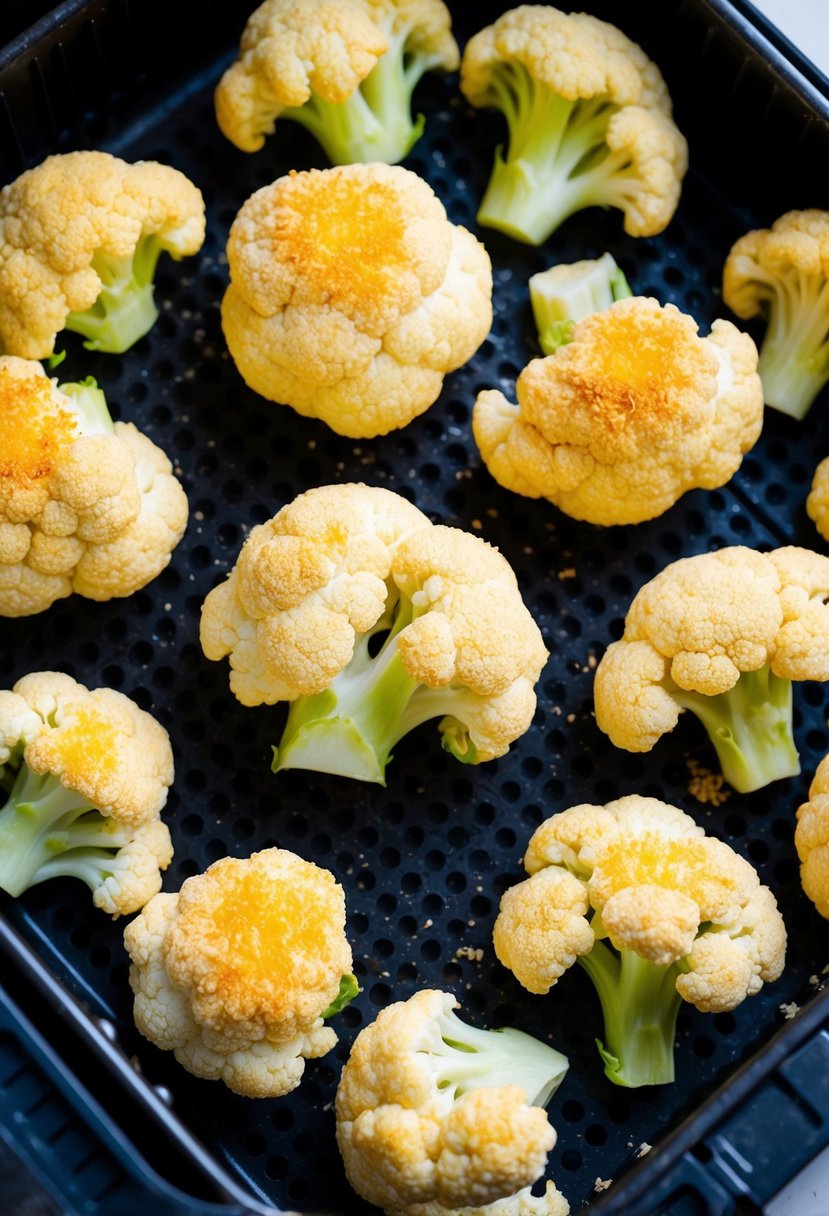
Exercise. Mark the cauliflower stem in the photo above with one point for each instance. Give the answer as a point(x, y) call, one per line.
point(350, 728)
point(467, 1057)
point(794, 356)
point(90, 405)
point(49, 831)
point(751, 728)
point(640, 1004)
point(374, 123)
point(565, 294)
point(125, 308)
point(558, 161)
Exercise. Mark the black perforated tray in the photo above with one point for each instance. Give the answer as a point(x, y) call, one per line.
point(425, 860)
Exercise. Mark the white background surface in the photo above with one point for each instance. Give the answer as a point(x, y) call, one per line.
point(806, 23)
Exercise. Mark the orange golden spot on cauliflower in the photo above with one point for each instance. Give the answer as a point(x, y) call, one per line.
point(620, 421)
point(235, 972)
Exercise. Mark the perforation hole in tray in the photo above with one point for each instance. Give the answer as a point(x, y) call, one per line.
point(424, 861)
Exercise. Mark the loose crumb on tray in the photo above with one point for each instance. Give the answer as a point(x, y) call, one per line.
point(790, 1011)
point(601, 1184)
point(643, 1149)
point(706, 786)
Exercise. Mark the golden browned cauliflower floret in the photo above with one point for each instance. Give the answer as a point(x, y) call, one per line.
point(238, 971)
point(433, 1114)
point(782, 274)
point(811, 839)
point(86, 505)
point(655, 912)
point(87, 774)
point(80, 236)
point(352, 296)
point(343, 565)
point(722, 634)
point(817, 503)
point(589, 121)
point(626, 416)
point(344, 69)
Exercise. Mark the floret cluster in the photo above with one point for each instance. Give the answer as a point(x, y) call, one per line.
point(351, 297)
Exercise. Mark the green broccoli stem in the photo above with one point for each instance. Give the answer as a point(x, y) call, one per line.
point(47, 830)
point(558, 161)
point(640, 1004)
point(751, 728)
point(125, 308)
point(90, 405)
point(470, 1058)
point(374, 123)
point(351, 727)
point(794, 356)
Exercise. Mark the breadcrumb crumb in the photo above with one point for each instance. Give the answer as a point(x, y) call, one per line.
point(643, 1149)
point(705, 786)
point(601, 1184)
point(790, 1011)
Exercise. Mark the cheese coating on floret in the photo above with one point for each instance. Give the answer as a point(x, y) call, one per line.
point(626, 417)
point(352, 295)
point(234, 972)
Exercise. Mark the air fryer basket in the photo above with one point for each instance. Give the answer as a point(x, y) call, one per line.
point(425, 859)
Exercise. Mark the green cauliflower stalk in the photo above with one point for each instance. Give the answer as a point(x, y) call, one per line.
point(351, 728)
point(90, 404)
point(640, 1004)
point(750, 727)
point(782, 273)
point(375, 123)
point(564, 294)
point(125, 309)
point(557, 162)
point(49, 831)
point(794, 355)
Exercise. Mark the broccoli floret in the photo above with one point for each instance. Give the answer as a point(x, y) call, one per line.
point(375, 122)
point(351, 727)
point(125, 308)
point(90, 405)
point(751, 728)
point(640, 1004)
point(565, 294)
point(49, 831)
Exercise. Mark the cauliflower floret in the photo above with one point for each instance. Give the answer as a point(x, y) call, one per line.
point(782, 272)
point(589, 123)
point(352, 296)
point(685, 916)
point(80, 236)
point(342, 565)
point(817, 504)
point(344, 69)
point(626, 416)
point(432, 1113)
point(237, 972)
point(811, 839)
point(723, 635)
point(89, 776)
point(85, 505)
